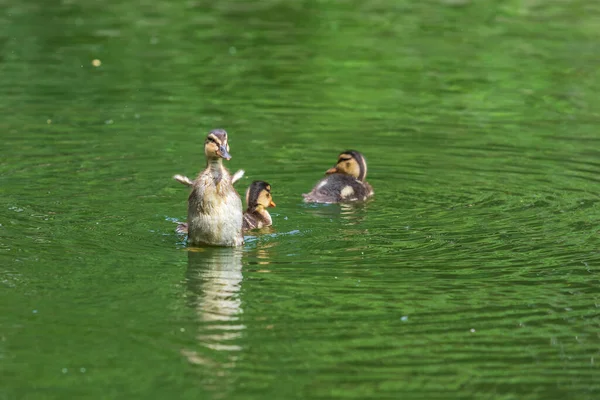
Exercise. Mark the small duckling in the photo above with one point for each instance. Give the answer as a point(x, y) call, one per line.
point(258, 199)
point(345, 182)
point(214, 206)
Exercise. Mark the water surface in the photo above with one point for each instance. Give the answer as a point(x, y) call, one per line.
point(473, 273)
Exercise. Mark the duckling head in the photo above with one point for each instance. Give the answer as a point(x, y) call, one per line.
point(258, 196)
point(216, 146)
point(350, 163)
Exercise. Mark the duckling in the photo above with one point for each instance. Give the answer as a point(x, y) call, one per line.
point(258, 199)
point(214, 206)
point(345, 182)
point(182, 227)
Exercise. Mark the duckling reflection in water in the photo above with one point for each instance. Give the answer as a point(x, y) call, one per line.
point(214, 207)
point(258, 199)
point(214, 280)
point(345, 182)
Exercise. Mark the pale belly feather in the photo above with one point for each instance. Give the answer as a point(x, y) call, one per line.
point(215, 215)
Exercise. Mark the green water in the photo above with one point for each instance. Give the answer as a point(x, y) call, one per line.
point(473, 273)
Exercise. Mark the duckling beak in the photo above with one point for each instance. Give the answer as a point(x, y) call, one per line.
point(222, 152)
point(331, 170)
point(271, 203)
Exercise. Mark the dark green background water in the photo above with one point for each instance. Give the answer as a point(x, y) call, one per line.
point(473, 273)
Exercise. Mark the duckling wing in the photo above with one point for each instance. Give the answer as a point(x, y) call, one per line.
point(183, 179)
point(237, 176)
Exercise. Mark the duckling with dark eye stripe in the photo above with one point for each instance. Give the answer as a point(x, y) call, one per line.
point(345, 182)
point(214, 207)
point(258, 199)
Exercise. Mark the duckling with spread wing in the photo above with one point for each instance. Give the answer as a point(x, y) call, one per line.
point(214, 206)
point(344, 183)
point(258, 199)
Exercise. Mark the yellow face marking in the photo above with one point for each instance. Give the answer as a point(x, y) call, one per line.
point(264, 198)
point(213, 145)
point(348, 166)
point(211, 148)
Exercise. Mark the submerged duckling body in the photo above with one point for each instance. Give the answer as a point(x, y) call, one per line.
point(258, 199)
point(344, 183)
point(214, 206)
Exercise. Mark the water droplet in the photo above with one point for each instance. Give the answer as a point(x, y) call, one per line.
point(404, 318)
point(472, 330)
point(35, 311)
